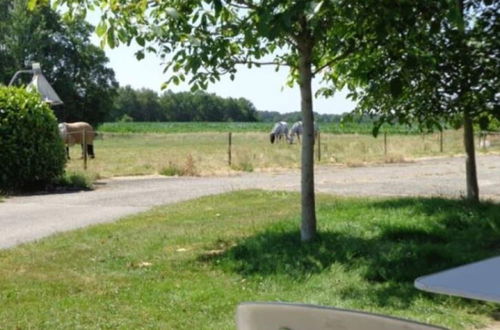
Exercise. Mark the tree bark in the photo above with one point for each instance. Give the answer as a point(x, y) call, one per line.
point(470, 159)
point(470, 153)
point(308, 225)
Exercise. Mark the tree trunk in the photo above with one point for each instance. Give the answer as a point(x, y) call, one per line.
point(470, 159)
point(470, 154)
point(308, 226)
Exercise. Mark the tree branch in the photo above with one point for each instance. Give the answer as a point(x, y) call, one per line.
point(348, 52)
point(245, 4)
point(261, 63)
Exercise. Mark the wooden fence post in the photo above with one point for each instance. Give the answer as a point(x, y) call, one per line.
point(319, 146)
point(441, 140)
point(229, 148)
point(385, 143)
point(84, 141)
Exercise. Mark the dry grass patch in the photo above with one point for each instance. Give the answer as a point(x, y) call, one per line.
point(207, 153)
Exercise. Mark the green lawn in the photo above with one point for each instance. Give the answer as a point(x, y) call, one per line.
point(187, 266)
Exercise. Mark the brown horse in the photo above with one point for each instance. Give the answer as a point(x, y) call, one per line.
point(73, 133)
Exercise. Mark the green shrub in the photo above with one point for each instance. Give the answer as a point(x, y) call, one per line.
point(171, 170)
point(189, 168)
point(126, 119)
point(244, 165)
point(73, 181)
point(31, 150)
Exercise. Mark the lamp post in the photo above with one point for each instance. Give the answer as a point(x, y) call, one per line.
point(40, 84)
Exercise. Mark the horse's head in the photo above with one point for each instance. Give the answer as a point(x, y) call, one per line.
point(63, 130)
point(272, 136)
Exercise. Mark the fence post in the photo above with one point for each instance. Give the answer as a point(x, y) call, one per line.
point(229, 148)
point(319, 146)
point(385, 143)
point(441, 140)
point(84, 147)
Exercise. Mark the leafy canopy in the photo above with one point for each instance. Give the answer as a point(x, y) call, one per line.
point(75, 68)
point(201, 39)
point(431, 74)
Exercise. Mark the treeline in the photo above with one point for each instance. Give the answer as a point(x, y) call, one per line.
point(145, 105)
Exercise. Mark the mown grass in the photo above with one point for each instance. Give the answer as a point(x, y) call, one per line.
point(187, 266)
point(207, 153)
point(239, 127)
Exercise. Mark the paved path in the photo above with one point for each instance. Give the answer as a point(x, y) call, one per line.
point(27, 218)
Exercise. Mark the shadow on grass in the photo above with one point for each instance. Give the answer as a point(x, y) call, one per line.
point(391, 253)
point(454, 233)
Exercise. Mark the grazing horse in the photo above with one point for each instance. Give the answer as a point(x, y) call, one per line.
point(298, 129)
point(279, 131)
point(73, 133)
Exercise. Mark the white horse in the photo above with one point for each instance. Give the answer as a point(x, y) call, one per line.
point(484, 143)
point(298, 129)
point(279, 131)
point(72, 133)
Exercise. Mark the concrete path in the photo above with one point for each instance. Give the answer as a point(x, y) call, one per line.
point(27, 218)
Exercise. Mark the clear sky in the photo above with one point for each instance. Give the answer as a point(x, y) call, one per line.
point(263, 86)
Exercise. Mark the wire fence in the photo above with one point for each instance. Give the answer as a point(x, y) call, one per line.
point(132, 153)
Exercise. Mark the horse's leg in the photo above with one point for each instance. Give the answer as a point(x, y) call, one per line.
point(90, 150)
point(67, 152)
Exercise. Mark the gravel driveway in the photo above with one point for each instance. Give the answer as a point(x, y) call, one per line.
point(27, 218)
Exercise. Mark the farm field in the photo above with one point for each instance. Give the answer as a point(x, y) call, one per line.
point(188, 265)
point(224, 127)
point(206, 153)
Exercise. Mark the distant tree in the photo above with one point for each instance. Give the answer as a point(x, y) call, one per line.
point(268, 116)
point(124, 104)
point(74, 67)
point(149, 108)
point(274, 116)
point(147, 105)
point(247, 110)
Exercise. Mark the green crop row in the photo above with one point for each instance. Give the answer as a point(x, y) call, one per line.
point(198, 127)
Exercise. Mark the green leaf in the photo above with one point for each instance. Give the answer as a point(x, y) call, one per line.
point(101, 29)
point(456, 17)
point(172, 12)
point(139, 55)
point(140, 41)
point(435, 26)
point(217, 6)
point(102, 43)
point(396, 87)
point(32, 4)
point(110, 37)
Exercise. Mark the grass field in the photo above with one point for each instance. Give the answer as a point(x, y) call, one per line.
point(206, 153)
point(225, 127)
point(187, 266)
